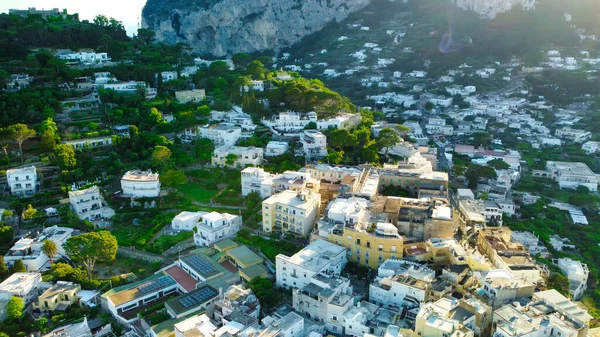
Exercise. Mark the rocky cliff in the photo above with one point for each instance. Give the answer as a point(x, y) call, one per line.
point(488, 9)
point(225, 27)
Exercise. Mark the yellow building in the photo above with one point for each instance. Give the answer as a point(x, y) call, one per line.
point(59, 297)
point(367, 245)
point(291, 211)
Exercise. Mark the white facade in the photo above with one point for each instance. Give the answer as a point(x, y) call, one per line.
point(314, 144)
point(88, 204)
point(140, 184)
point(571, 175)
point(23, 285)
point(318, 257)
point(590, 147)
point(220, 134)
point(399, 291)
point(290, 122)
point(23, 181)
point(574, 135)
point(348, 211)
point(86, 57)
point(167, 76)
point(275, 148)
point(245, 156)
point(502, 287)
point(214, 227)
point(577, 273)
point(80, 144)
point(293, 211)
point(186, 221)
point(343, 121)
point(255, 179)
point(255, 85)
point(29, 250)
point(441, 101)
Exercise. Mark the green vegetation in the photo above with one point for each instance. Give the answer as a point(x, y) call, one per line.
point(89, 248)
point(271, 248)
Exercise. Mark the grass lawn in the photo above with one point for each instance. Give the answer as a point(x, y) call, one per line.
point(165, 242)
point(197, 192)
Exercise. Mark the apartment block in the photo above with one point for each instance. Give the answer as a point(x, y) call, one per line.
point(291, 211)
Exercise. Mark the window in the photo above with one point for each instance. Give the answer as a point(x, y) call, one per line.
point(358, 241)
point(380, 248)
point(380, 258)
point(393, 249)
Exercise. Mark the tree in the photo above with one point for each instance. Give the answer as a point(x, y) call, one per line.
point(173, 178)
point(256, 70)
point(101, 20)
point(19, 267)
point(29, 213)
point(146, 35)
point(155, 117)
point(218, 68)
point(476, 172)
point(482, 138)
point(48, 141)
point(20, 133)
point(429, 106)
point(6, 235)
point(19, 208)
point(5, 140)
point(335, 157)
point(230, 159)
point(49, 125)
point(65, 157)
point(15, 308)
point(263, 290)
point(3, 268)
point(498, 164)
point(161, 157)
point(90, 248)
point(241, 60)
point(204, 148)
point(559, 282)
point(402, 129)
point(50, 249)
point(338, 138)
point(386, 139)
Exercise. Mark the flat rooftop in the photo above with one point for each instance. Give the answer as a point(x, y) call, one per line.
point(316, 255)
point(140, 176)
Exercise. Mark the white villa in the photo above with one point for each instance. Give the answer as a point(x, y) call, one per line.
point(22, 181)
point(140, 184)
point(88, 204)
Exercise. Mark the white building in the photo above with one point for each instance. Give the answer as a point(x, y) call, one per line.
point(531, 242)
point(29, 249)
point(140, 184)
point(399, 291)
point(290, 122)
point(186, 221)
point(441, 101)
point(81, 144)
point(255, 85)
point(572, 175)
point(293, 211)
point(86, 58)
point(193, 96)
point(88, 204)
point(449, 317)
point(221, 134)
point(275, 148)
point(502, 287)
point(348, 211)
point(244, 156)
point(318, 257)
point(577, 273)
point(167, 76)
point(213, 227)
point(255, 179)
point(22, 181)
point(574, 135)
point(590, 147)
point(343, 121)
point(23, 285)
point(314, 144)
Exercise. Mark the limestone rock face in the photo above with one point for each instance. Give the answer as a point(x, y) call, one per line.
point(225, 27)
point(488, 9)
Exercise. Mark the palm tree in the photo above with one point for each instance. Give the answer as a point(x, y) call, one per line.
point(50, 249)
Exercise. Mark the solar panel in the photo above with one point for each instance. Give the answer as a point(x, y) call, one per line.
point(198, 297)
point(156, 284)
point(201, 265)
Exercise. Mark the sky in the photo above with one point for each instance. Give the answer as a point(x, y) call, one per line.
point(127, 11)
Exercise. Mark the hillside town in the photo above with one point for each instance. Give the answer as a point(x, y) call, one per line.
point(149, 192)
